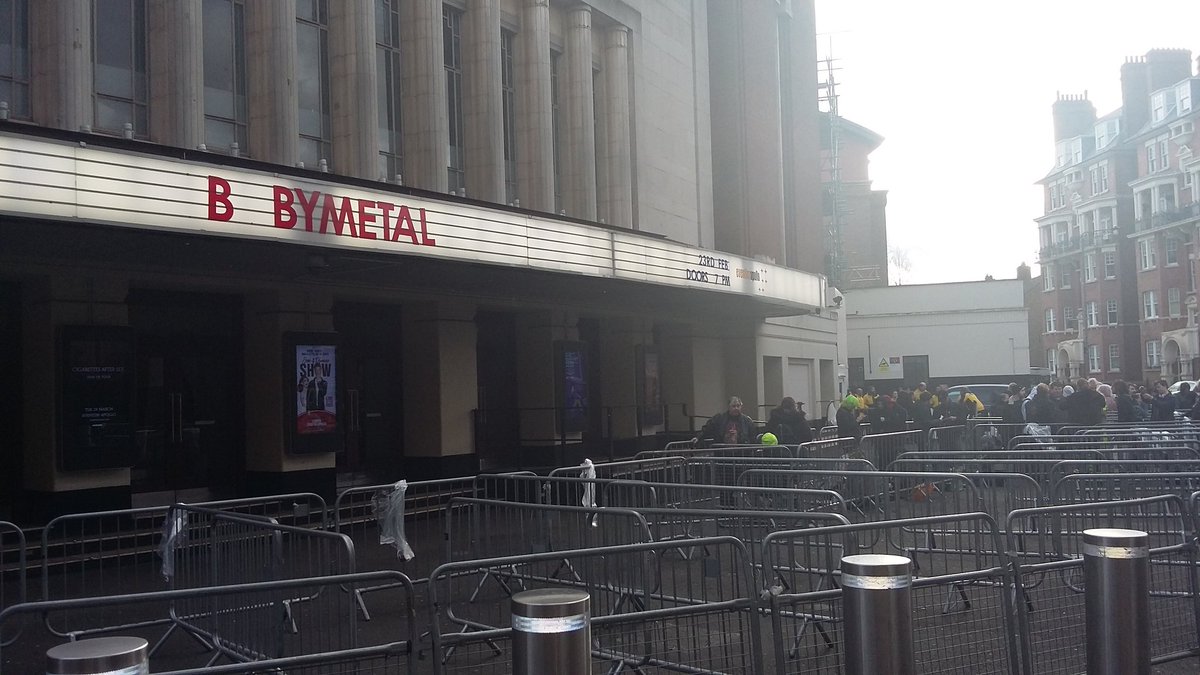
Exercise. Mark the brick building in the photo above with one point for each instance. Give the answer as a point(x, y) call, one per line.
point(1118, 232)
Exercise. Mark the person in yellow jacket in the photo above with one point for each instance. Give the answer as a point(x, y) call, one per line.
point(972, 400)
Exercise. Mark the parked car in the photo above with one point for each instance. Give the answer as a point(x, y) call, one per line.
point(990, 395)
point(1174, 389)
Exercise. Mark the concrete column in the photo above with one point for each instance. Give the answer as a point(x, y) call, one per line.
point(353, 79)
point(747, 152)
point(483, 102)
point(426, 124)
point(274, 125)
point(267, 316)
point(806, 236)
point(534, 107)
point(619, 194)
point(618, 364)
point(578, 173)
point(537, 388)
point(441, 383)
point(61, 55)
point(47, 304)
point(176, 72)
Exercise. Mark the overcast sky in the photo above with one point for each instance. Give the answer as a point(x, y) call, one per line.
point(961, 92)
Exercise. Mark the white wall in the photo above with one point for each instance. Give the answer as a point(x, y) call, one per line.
point(968, 329)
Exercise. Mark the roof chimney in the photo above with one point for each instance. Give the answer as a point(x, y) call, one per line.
point(1074, 115)
point(1024, 273)
point(1135, 95)
point(1168, 67)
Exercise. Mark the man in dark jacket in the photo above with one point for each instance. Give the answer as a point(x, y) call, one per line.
point(1086, 406)
point(1162, 407)
point(730, 427)
point(788, 424)
point(847, 418)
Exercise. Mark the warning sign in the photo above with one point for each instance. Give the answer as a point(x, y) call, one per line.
point(886, 368)
point(883, 366)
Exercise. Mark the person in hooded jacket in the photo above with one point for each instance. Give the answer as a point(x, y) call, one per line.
point(1127, 408)
point(847, 418)
point(788, 424)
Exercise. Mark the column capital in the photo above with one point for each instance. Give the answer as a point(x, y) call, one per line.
point(617, 36)
point(579, 16)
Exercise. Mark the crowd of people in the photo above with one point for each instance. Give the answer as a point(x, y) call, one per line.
point(1086, 402)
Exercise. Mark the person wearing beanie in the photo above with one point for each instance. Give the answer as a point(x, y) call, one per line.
point(847, 418)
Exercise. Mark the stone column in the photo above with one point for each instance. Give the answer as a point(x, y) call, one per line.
point(483, 102)
point(534, 107)
point(176, 72)
point(61, 54)
point(806, 240)
point(426, 125)
point(274, 125)
point(578, 174)
point(441, 381)
point(353, 80)
point(618, 153)
point(747, 153)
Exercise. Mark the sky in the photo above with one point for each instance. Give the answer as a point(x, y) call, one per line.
point(961, 91)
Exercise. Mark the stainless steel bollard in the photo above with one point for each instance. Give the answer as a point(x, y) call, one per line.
point(552, 632)
point(1116, 576)
point(100, 656)
point(877, 614)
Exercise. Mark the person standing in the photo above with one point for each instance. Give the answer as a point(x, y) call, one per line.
point(731, 427)
point(847, 418)
point(788, 424)
point(1162, 405)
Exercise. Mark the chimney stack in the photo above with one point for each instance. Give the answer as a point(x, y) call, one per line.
point(1135, 95)
point(1074, 115)
point(1024, 273)
point(1168, 67)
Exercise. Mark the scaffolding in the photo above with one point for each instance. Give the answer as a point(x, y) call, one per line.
point(833, 199)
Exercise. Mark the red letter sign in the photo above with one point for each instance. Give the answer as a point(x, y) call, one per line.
point(219, 206)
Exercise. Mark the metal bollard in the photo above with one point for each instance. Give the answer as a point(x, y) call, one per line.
point(877, 612)
point(99, 656)
point(552, 632)
point(1116, 575)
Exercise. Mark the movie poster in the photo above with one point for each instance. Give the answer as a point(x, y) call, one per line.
point(650, 386)
point(573, 371)
point(316, 389)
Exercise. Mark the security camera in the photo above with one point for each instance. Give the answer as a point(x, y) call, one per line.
point(833, 297)
point(837, 300)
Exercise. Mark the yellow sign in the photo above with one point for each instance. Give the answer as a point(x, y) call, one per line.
point(883, 365)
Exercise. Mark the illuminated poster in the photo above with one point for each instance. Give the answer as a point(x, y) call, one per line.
point(316, 389)
point(96, 397)
point(573, 370)
point(649, 385)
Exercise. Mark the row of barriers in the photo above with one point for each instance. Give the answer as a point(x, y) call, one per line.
point(692, 560)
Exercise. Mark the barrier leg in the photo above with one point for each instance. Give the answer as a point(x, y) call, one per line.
point(877, 604)
point(1116, 572)
point(551, 632)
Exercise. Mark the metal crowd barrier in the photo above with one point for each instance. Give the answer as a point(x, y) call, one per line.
point(652, 610)
point(877, 495)
point(250, 627)
point(13, 573)
point(1046, 546)
point(962, 620)
point(771, 451)
point(833, 447)
point(117, 552)
point(882, 449)
point(663, 469)
point(1075, 488)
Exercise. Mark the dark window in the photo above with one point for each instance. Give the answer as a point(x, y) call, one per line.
point(510, 116)
point(312, 80)
point(387, 63)
point(452, 44)
point(119, 66)
point(225, 108)
point(14, 57)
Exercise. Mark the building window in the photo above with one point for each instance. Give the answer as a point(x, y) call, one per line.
point(1093, 314)
point(1171, 251)
point(1052, 360)
point(509, 93)
point(1153, 353)
point(1150, 305)
point(1146, 253)
point(1064, 276)
point(1093, 355)
point(1069, 319)
point(387, 93)
point(1113, 319)
point(1089, 267)
point(1184, 93)
point(119, 66)
point(1047, 277)
point(14, 56)
point(556, 129)
point(1099, 175)
point(1110, 264)
point(1173, 306)
point(225, 108)
point(1050, 327)
point(1152, 157)
point(452, 46)
point(1114, 358)
point(312, 81)
point(1164, 154)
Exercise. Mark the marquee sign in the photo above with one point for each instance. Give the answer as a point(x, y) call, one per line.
point(74, 181)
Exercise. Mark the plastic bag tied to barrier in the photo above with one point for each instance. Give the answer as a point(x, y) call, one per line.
point(389, 513)
point(589, 489)
point(174, 534)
